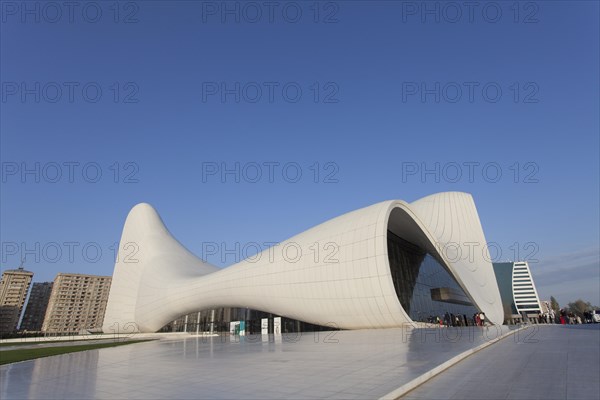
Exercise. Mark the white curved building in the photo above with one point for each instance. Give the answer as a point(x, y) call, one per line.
point(380, 266)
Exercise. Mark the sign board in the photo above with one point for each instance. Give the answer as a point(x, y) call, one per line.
point(234, 327)
point(264, 326)
point(277, 326)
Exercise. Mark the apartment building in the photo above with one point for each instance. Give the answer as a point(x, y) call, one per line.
point(77, 303)
point(13, 292)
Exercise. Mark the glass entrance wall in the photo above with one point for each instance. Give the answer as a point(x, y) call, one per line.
point(426, 290)
point(217, 320)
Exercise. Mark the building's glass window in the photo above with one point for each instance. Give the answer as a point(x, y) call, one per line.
point(426, 290)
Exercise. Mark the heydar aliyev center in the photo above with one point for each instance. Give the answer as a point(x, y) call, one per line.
point(381, 266)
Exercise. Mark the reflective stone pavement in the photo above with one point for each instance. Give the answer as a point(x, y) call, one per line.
point(344, 364)
point(548, 362)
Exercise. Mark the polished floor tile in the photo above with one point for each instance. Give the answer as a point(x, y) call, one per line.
point(361, 364)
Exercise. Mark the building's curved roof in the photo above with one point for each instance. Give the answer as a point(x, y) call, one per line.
point(342, 277)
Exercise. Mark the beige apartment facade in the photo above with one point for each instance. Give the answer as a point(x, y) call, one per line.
point(13, 292)
point(77, 303)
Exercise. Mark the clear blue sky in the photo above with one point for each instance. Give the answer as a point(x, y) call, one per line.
point(372, 120)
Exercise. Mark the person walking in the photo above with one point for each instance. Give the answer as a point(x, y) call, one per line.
point(482, 319)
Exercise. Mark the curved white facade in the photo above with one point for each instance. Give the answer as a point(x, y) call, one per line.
point(342, 277)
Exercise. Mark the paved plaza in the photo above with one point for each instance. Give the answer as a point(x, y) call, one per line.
point(543, 362)
point(344, 364)
point(550, 362)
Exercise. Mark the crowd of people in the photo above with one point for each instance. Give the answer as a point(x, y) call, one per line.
point(547, 317)
point(564, 317)
point(569, 318)
point(449, 319)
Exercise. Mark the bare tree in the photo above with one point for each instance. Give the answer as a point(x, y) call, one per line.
point(578, 307)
